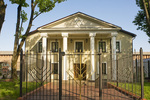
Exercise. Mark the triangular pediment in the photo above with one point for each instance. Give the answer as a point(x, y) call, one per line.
point(78, 20)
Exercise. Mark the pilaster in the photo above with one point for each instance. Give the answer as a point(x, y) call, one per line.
point(113, 43)
point(92, 48)
point(65, 46)
point(44, 53)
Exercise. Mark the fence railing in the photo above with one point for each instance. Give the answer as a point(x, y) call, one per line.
point(127, 73)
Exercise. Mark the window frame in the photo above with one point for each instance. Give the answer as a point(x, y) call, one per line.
point(119, 46)
point(98, 46)
point(56, 49)
point(40, 51)
point(82, 45)
point(51, 45)
point(102, 68)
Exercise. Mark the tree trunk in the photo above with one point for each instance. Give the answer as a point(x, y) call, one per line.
point(18, 46)
point(2, 13)
point(15, 52)
point(14, 65)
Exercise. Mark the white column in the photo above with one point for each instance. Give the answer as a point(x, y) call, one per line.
point(113, 43)
point(65, 38)
point(44, 49)
point(92, 48)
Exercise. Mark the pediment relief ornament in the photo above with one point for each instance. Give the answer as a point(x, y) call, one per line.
point(78, 21)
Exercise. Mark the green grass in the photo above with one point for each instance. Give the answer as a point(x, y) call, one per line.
point(136, 88)
point(10, 90)
point(147, 90)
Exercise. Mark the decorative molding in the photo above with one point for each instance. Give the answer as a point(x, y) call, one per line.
point(114, 34)
point(92, 34)
point(44, 35)
point(78, 21)
point(64, 34)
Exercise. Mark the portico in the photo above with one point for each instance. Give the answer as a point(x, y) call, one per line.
point(80, 33)
point(68, 41)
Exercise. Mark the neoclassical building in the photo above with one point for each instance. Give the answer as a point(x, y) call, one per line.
point(80, 33)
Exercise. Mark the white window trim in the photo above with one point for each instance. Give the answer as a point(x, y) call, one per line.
point(51, 44)
point(38, 46)
point(120, 45)
point(78, 41)
point(98, 45)
point(98, 68)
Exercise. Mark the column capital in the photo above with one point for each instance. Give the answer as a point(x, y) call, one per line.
point(44, 35)
point(92, 34)
point(64, 34)
point(114, 34)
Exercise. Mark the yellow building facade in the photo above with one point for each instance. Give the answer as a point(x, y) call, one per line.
point(75, 34)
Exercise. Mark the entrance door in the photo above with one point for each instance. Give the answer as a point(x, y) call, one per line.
point(78, 69)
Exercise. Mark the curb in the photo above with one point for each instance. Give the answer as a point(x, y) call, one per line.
point(125, 91)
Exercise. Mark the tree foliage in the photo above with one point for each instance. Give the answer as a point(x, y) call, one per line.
point(142, 19)
point(37, 7)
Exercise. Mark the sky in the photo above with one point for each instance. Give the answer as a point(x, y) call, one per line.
point(118, 12)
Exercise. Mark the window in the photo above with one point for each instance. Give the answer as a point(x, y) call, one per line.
point(102, 45)
point(79, 46)
point(117, 46)
point(103, 68)
point(40, 47)
point(54, 46)
point(55, 68)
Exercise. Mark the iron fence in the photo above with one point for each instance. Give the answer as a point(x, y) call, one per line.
point(81, 76)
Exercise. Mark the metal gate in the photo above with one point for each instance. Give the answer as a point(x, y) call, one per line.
point(80, 76)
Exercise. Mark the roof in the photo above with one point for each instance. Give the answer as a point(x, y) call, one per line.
point(83, 14)
point(6, 52)
point(79, 13)
point(144, 53)
point(132, 34)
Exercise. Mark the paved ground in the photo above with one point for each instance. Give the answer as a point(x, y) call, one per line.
point(71, 91)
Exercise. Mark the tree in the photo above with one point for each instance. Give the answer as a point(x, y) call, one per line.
point(2, 13)
point(43, 6)
point(142, 19)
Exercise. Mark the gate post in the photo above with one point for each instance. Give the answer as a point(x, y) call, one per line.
point(21, 58)
point(117, 74)
point(60, 73)
point(136, 65)
point(142, 73)
point(100, 74)
point(42, 69)
point(149, 69)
